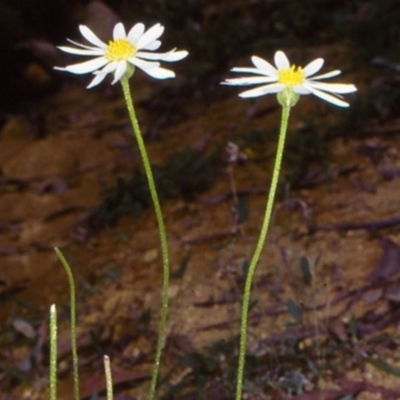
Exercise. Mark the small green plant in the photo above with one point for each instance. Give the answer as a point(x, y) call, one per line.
point(122, 54)
point(73, 338)
point(72, 303)
point(289, 82)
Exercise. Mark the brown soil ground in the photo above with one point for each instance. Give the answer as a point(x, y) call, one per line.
point(345, 223)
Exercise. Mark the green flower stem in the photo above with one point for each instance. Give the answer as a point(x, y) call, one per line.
point(161, 230)
point(53, 353)
point(259, 247)
point(72, 301)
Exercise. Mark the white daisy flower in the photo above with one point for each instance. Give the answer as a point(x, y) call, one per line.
point(295, 79)
point(122, 54)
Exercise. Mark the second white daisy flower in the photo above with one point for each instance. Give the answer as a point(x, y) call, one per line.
point(122, 54)
point(286, 76)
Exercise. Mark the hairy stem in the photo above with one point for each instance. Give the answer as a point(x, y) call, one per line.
point(53, 353)
point(161, 230)
point(257, 252)
point(72, 302)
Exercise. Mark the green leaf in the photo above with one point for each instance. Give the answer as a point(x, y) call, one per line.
point(294, 310)
point(312, 367)
point(305, 270)
point(353, 328)
point(178, 274)
point(384, 366)
point(242, 209)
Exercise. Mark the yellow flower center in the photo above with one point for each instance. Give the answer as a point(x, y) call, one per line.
point(291, 76)
point(120, 49)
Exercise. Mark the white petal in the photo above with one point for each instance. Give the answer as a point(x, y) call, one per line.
point(264, 66)
point(152, 34)
point(327, 75)
point(313, 67)
point(176, 55)
point(329, 98)
point(119, 71)
point(261, 91)
point(150, 56)
point(170, 56)
point(91, 37)
point(281, 61)
point(87, 66)
point(143, 65)
point(153, 45)
point(119, 31)
point(111, 67)
point(102, 73)
point(82, 52)
point(248, 70)
point(301, 89)
point(251, 80)
point(160, 73)
point(83, 46)
point(332, 87)
point(97, 79)
point(135, 32)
